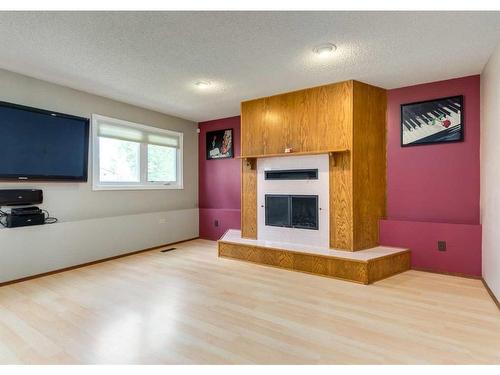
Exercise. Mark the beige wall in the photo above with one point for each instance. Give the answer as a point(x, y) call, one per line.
point(77, 201)
point(490, 171)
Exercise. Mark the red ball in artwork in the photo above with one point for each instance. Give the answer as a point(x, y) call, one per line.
point(446, 123)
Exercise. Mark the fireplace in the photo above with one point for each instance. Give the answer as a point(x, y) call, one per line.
point(293, 199)
point(292, 211)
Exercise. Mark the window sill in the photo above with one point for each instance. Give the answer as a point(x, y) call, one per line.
point(136, 187)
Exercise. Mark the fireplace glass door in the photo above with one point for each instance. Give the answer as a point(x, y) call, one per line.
point(292, 211)
point(304, 211)
point(278, 210)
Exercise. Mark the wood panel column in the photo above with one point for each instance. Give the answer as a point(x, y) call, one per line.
point(249, 198)
point(341, 229)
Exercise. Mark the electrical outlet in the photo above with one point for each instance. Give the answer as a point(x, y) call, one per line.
point(162, 221)
point(442, 245)
point(216, 223)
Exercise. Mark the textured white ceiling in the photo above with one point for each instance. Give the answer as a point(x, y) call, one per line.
point(153, 59)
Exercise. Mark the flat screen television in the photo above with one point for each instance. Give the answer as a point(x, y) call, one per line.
point(36, 144)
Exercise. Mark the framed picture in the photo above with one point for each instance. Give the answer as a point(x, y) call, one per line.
point(220, 144)
point(432, 121)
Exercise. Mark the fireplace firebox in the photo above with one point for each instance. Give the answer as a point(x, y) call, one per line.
point(292, 211)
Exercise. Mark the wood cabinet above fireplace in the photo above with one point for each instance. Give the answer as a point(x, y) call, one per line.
point(311, 120)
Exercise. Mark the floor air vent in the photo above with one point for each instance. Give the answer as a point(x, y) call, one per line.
point(169, 249)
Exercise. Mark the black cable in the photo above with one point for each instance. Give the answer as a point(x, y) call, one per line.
point(48, 219)
point(3, 214)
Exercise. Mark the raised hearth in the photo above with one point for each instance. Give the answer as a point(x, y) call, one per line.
point(364, 266)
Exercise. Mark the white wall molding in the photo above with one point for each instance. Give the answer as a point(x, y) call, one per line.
point(29, 251)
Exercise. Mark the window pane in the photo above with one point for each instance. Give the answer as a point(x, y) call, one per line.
point(162, 163)
point(118, 160)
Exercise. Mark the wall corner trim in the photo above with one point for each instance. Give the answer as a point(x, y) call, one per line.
point(490, 292)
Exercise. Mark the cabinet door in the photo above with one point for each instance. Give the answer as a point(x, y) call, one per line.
point(276, 124)
point(320, 118)
point(265, 125)
point(251, 123)
point(334, 125)
point(304, 115)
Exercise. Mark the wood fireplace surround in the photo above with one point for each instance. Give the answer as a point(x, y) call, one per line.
point(345, 120)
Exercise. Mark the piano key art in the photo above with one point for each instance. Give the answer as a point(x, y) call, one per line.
point(432, 121)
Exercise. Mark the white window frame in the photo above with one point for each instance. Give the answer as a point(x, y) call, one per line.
point(143, 184)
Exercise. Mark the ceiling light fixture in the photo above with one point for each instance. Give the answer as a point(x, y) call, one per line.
point(203, 84)
point(325, 49)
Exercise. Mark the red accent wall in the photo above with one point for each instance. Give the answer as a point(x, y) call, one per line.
point(219, 183)
point(432, 189)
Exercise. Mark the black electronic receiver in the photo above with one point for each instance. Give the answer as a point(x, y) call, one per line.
point(20, 197)
point(13, 221)
point(25, 211)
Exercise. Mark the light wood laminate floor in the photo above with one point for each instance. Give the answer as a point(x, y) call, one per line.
point(188, 306)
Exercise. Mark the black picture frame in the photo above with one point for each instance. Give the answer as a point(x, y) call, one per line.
point(432, 121)
point(219, 144)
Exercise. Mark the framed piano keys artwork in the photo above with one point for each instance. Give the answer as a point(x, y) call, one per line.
point(432, 121)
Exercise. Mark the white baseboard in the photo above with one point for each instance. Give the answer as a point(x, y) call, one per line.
point(35, 250)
